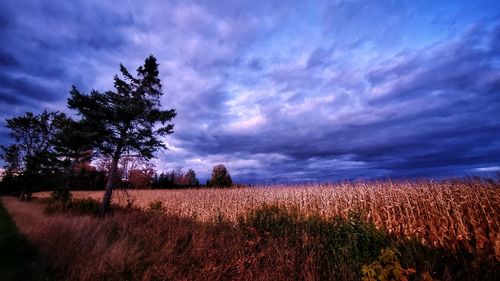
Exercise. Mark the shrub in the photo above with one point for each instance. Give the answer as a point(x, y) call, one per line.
point(84, 206)
point(62, 195)
point(386, 267)
point(155, 206)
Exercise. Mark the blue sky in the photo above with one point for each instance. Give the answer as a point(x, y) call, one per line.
point(280, 91)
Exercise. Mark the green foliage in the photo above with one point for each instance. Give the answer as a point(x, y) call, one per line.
point(220, 177)
point(340, 246)
point(386, 267)
point(350, 248)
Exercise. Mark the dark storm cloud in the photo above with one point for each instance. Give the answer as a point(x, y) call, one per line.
point(26, 88)
point(7, 60)
point(436, 116)
point(280, 92)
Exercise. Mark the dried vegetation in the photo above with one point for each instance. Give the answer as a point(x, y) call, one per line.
point(454, 214)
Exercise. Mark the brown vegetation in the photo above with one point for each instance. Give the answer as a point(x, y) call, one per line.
point(152, 246)
point(455, 215)
point(269, 243)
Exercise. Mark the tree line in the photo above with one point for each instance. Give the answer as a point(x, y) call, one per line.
point(123, 125)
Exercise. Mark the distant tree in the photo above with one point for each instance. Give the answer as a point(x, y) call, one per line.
point(220, 177)
point(136, 172)
point(12, 156)
point(141, 177)
point(126, 120)
point(88, 177)
point(175, 179)
point(163, 181)
point(12, 168)
point(178, 178)
point(190, 178)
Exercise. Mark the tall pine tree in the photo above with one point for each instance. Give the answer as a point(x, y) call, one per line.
point(128, 120)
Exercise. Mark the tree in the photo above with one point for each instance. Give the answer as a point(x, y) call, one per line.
point(141, 178)
point(190, 178)
point(125, 120)
point(12, 168)
point(86, 176)
point(72, 147)
point(163, 181)
point(139, 174)
point(136, 172)
point(33, 155)
point(12, 157)
point(220, 177)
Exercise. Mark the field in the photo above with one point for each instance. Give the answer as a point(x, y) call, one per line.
point(426, 230)
point(450, 214)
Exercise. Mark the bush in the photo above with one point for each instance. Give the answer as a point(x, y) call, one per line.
point(84, 206)
point(387, 267)
point(62, 195)
point(155, 206)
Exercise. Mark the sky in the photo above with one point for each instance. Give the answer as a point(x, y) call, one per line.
point(279, 91)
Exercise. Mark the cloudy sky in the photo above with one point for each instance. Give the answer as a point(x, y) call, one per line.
point(279, 90)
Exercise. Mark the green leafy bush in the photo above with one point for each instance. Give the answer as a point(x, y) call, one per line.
point(386, 267)
point(340, 246)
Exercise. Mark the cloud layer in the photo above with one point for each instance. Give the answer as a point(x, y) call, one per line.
point(280, 91)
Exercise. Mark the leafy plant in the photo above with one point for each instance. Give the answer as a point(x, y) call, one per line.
point(386, 267)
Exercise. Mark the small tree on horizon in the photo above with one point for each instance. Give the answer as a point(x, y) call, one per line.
point(190, 178)
point(129, 120)
point(220, 177)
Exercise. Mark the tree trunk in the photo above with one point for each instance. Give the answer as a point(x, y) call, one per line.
point(106, 200)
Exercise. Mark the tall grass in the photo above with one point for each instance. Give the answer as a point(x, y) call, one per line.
point(268, 243)
point(456, 215)
point(18, 257)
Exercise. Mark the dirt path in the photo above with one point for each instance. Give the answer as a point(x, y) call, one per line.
point(27, 215)
point(18, 257)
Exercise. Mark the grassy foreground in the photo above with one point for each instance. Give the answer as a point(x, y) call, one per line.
point(18, 258)
point(268, 243)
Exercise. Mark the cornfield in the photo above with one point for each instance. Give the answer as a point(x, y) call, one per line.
point(445, 214)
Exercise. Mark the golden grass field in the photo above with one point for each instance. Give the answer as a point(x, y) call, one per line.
point(449, 214)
